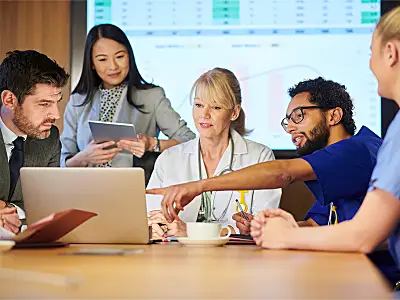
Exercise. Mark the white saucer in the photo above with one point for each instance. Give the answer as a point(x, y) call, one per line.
point(202, 243)
point(6, 245)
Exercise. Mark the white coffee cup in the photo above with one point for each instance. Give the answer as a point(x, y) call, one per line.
point(206, 231)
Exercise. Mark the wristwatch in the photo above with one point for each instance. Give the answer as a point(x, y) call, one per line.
point(156, 147)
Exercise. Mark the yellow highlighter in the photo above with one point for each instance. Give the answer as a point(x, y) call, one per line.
point(242, 203)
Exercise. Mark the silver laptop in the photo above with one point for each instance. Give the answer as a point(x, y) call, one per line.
point(117, 195)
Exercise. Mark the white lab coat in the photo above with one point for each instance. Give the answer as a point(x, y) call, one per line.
point(179, 164)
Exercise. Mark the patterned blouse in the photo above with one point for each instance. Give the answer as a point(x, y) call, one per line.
point(110, 99)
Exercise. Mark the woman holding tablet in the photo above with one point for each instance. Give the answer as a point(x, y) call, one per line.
point(111, 89)
point(220, 149)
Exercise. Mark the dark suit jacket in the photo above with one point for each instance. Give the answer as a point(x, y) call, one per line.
point(37, 153)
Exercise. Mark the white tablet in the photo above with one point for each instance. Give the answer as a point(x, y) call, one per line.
point(109, 131)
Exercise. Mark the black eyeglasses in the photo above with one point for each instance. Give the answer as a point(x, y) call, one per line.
point(297, 115)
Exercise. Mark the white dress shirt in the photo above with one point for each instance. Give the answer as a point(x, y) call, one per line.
point(179, 164)
point(9, 137)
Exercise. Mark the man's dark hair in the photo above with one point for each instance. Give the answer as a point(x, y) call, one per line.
point(20, 71)
point(328, 94)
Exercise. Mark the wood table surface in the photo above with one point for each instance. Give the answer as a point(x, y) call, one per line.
point(170, 271)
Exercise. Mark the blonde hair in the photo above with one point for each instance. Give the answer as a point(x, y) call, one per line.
point(388, 26)
point(220, 86)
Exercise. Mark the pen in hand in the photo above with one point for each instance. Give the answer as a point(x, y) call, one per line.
point(241, 210)
point(164, 227)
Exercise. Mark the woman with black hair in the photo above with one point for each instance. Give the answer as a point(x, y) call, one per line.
point(111, 89)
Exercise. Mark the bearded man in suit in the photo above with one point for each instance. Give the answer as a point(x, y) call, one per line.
point(30, 90)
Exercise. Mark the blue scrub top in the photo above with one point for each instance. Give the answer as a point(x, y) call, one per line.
point(343, 172)
point(386, 176)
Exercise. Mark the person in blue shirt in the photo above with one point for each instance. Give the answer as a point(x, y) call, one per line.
point(344, 166)
point(378, 217)
point(336, 164)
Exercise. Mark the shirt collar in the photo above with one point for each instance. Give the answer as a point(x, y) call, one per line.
point(106, 92)
point(365, 131)
point(240, 146)
point(8, 136)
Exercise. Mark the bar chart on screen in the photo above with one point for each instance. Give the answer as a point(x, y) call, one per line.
point(269, 45)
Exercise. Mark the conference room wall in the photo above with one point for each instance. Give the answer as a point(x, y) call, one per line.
point(41, 25)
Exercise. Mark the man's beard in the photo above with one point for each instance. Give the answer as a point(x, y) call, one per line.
point(317, 140)
point(26, 126)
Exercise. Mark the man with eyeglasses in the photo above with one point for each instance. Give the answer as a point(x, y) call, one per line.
point(335, 164)
point(320, 121)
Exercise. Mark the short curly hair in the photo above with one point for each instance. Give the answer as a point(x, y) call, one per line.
point(328, 94)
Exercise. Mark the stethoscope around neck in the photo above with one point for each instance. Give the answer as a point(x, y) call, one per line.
point(206, 208)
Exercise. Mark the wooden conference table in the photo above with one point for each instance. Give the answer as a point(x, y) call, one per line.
point(169, 271)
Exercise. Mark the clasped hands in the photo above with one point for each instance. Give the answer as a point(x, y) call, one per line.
point(270, 227)
point(161, 228)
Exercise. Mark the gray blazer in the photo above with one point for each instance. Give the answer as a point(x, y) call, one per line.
point(37, 153)
point(160, 117)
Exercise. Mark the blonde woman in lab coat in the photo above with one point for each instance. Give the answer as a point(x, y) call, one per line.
point(221, 148)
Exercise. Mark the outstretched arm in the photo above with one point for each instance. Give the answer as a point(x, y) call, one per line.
point(267, 175)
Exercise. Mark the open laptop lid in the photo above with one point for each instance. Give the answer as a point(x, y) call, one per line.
point(117, 195)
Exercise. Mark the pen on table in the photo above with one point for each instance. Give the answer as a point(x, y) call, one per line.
point(166, 240)
point(160, 241)
point(241, 210)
